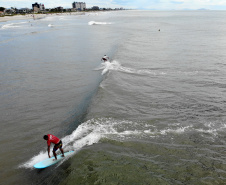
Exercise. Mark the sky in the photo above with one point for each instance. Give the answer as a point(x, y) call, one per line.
point(130, 4)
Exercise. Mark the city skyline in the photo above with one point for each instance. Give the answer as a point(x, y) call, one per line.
point(133, 4)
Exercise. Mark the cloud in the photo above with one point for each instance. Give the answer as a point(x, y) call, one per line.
point(176, 2)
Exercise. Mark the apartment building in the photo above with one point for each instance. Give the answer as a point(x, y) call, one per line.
point(80, 6)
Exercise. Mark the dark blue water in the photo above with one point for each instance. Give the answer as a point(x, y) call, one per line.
point(154, 115)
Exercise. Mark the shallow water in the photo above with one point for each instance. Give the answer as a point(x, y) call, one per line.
point(154, 115)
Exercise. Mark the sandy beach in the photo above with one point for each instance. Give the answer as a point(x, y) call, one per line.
point(20, 17)
point(35, 16)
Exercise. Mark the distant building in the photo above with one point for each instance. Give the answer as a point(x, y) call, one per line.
point(59, 9)
point(10, 11)
point(42, 7)
point(38, 7)
point(95, 8)
point(24, 10)
point(80, 6)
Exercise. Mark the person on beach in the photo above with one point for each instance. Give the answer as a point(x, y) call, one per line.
point(105, 58)
point(55, 140)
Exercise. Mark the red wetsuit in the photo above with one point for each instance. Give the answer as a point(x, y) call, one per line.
point(52, 139)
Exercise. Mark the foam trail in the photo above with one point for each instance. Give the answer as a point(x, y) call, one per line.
point(105, 66)
point(12, 25)
point(108, 66)
point(98, 23)
point(95, 14)
point(116, 66)
point(29, 164)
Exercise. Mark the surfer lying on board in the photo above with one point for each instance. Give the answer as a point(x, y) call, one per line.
point(105, 58)
point(55, 140)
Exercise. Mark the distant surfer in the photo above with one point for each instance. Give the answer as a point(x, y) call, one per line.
point(55, 140)
point(105, 58)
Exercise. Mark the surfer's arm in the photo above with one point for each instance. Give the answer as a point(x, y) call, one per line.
point(48, 149)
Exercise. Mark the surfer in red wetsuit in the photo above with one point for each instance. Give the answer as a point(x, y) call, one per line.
point(55, 140)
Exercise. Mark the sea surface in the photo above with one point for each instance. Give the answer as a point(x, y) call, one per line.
point(154, 114)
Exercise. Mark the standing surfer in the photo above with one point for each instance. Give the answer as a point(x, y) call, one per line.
point(55, 140)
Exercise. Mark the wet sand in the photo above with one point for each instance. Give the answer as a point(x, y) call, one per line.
point(36, 16)
point(20, 17)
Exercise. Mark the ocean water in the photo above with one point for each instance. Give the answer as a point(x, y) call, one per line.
point(155, 114)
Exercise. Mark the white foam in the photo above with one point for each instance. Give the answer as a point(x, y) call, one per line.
point(212, 128)
point(98, 23)
point(29, 164)
point(92, 131)
point(13, 25)
point(116, 66)
point(209, 131)
point(95, 14)
point(105, 66)
point(178, 130)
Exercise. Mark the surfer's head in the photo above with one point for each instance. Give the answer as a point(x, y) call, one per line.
point(45, 137)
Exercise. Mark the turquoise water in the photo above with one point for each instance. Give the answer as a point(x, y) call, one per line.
point(154, 115)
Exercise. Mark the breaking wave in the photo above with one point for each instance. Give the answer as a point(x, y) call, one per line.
point(12, 25)
point(92, 131)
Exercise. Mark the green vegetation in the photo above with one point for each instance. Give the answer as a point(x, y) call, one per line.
point(2, 9)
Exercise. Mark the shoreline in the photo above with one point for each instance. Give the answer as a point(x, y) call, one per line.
point(35, 16)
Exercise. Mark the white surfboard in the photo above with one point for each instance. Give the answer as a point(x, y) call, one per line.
point(50, 161)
